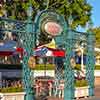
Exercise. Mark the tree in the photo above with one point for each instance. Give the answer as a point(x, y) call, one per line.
point(76, 12)
point(96, 31)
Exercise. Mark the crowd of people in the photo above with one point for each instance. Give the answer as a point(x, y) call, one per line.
point(48, 88)
point(41, 87)
point(11, 83)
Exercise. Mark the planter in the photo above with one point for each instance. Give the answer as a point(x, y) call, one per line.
point(81, 91)
point(97, 73)
point(13, 96)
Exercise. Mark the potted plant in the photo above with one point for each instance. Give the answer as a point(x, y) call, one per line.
point(81, 88)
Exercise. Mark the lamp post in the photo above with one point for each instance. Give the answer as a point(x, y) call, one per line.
point(29, 12)
point(90, 62)
point(28, 44)
point(82, 55)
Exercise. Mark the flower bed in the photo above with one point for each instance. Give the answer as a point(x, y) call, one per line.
point(11, 89)
point(78, 67)
point(97, 67)
point(81, 88)
point(81, 83)
point(12, 93)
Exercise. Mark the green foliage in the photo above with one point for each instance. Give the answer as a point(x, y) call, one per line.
point(97, 67)
point(96, 31)
point(79, 10)
point(52, 67)
point(81, 83)
point(75, 12)
point(11, 89)
point(77, 67)
point(45, 67)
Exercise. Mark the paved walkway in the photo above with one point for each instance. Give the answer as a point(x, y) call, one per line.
point(97, 94)
point(96, 97)
point(93, 98)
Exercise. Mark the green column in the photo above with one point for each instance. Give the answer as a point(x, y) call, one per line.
point(28, 44)
point(25, 31)
point(68, 71)
point(90, 63)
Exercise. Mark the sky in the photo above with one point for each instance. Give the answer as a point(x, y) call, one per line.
point(95, 12)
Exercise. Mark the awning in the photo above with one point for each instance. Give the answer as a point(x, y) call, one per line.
point(45, 51)
point(6, 53)
point(9, 49)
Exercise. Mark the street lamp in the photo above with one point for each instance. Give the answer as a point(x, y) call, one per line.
point(29, 11)
point(82, 47)
point(82, 54)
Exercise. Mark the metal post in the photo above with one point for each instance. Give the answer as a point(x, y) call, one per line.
point(66, 37)
point(82, 54)
point(90, 63)
point(25, 31)
point(68, 71)
point(29, 44)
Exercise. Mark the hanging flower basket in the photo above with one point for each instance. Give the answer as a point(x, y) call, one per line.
point(32, 62)
point(81, 91)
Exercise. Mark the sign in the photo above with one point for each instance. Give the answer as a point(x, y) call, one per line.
point(52, 28)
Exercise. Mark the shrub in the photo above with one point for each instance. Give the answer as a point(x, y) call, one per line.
point(81, 83)
point(97, 67)
point(11, 89)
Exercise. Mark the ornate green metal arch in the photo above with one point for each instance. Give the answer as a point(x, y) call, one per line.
point(65, 39)
point(28, 32)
